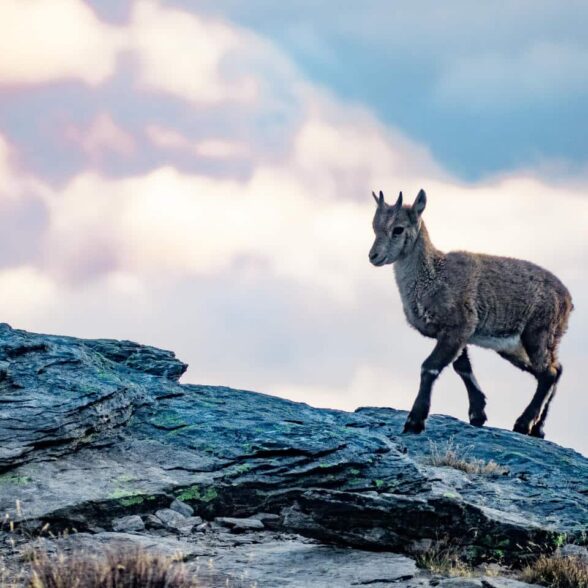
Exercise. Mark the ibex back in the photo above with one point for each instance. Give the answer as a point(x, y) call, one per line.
point(512, 306)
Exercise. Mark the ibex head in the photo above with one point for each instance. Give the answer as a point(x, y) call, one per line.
point(396, 227)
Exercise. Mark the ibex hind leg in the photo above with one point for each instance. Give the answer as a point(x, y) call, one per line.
point(537, 429)
point(558, 326)
point(476, 397)
point(543, 366)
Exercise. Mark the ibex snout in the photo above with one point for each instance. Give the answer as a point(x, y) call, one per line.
point(376, 258)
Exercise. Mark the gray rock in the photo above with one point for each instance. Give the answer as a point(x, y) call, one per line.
point(153, 522)
point(175, 521)
point(143, 358)
point(294, 563)
point(170, 518)
point(238, 525)
point(182, 508)
point(190, 525)
point(93, 431)
point(268, 519)
point(128, 524)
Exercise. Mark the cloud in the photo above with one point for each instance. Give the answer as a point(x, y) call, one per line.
point(366, 381)
point(41, 41)
point(23, 210)
point(511, 216)
point(176, 224)
point(182, 54)
point(175, 51)
point(101, 136)
point(26, 291)
point(170, 139)
point(309, 209)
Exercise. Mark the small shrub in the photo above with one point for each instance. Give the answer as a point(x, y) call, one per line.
point(453, 456)
point(444, 560)
point(111, 569)
point(557, 572)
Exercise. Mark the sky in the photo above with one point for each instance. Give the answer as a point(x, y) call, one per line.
point(197, 176)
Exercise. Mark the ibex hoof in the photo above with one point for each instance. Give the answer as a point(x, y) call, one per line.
point(478, 420)
point(414, 426)
point(522, 427)
point(537, 432)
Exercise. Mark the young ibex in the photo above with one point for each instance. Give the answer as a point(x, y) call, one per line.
point(512, 306)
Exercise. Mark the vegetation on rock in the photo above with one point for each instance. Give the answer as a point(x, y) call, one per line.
point(112, 569)
point(449, 454)
point(556, 571)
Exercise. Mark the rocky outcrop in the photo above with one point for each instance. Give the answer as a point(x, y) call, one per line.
point(92, 431)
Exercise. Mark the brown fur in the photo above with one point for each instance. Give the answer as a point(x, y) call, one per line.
point(512, 306)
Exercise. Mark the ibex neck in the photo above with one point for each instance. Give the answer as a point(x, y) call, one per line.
point(418, 263)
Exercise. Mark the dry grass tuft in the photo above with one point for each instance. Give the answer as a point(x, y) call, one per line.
point(557, 572)
point(123, 569)
point(444, 560)
point(451, 455)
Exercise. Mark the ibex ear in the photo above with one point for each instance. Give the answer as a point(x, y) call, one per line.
point(420, 203)
point(379, 199)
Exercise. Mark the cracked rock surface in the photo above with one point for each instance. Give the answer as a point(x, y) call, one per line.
point(93, 431)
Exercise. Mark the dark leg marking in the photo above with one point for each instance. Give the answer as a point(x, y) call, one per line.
point(532, 414)
point(543, 366)
point(537, 429)
point(477, 399)
point(446, 350)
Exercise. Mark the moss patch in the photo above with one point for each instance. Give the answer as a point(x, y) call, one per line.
point(196, 494)
point(126, 497)
point(16, 480)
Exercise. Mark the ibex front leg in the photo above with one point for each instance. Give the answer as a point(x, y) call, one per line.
point(463, 367)
point(446, 350)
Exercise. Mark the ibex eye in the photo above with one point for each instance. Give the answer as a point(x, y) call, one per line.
point(398, 231)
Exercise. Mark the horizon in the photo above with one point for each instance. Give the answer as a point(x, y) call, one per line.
point(199, 179)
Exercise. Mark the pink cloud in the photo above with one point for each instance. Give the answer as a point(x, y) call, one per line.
point(103, 135)
point(171, 139)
